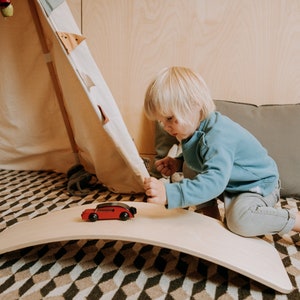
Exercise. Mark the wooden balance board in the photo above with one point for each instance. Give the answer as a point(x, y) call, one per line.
point(177, 229)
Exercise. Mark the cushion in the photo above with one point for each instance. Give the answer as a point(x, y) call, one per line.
point(277, 128)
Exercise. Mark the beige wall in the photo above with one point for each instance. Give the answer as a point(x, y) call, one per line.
point(246, 50)
point(75, 6)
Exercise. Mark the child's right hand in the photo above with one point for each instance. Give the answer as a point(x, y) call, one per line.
point(155, 190)
point(168, 165)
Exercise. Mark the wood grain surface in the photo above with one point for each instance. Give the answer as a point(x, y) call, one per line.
point(247, 51)
point(177, 229)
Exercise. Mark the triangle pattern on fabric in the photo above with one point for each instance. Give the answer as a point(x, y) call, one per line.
point(86, 79)
point(70, 40)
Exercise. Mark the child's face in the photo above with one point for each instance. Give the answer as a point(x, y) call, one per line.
point(178, 129)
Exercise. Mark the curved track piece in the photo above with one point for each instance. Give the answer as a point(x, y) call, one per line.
point(176, 229)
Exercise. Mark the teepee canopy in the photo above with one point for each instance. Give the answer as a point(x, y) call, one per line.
point(56, 109)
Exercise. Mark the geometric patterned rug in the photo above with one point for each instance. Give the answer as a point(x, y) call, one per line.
point(106, 269)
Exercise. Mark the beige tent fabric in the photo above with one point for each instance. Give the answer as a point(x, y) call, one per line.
point(32, 131)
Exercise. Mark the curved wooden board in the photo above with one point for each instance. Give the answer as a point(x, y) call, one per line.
point(176, 229)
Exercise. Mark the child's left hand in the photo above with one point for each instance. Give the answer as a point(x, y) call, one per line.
point(155, 190)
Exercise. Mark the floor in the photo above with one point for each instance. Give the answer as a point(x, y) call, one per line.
point(94, 269)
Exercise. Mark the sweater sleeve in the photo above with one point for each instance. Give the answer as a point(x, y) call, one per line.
point(211, 181)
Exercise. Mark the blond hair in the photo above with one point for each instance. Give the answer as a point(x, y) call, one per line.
point(178, 91)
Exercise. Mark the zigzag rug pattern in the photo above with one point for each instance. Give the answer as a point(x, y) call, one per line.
point(94, 269)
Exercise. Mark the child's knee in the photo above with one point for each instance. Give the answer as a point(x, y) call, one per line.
point(241, 224)
point(240, 230)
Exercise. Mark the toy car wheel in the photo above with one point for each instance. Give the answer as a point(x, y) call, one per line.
point(124, 216)
point(93, 217)
point(132, 210)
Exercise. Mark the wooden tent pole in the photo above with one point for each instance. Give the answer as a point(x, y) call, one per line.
point(54, 77)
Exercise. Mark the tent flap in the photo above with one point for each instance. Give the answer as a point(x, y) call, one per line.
point(104, 144)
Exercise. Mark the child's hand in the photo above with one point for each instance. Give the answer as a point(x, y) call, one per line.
point(155, 190)
point(168, 165)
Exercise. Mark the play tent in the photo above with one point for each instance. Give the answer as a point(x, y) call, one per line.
point(56, 109)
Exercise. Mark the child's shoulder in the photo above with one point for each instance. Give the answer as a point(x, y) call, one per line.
point(218, 119)
point(222, 120)
point(224, 127)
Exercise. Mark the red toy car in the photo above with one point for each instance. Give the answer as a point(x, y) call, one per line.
point(109, 211)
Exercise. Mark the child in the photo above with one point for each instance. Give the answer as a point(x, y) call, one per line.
point(227, 159)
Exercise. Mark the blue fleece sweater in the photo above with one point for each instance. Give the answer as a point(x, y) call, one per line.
point(226, 157)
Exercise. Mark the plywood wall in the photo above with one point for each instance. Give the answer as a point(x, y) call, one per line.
point(246, 50)
point(75, 6)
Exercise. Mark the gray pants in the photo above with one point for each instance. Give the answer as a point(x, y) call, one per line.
point(250, 214)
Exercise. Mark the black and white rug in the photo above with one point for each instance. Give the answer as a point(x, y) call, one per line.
point(105, 269)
